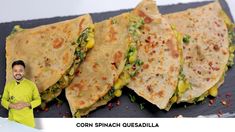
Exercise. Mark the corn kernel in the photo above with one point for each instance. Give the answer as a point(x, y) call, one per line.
point(133, 57)
point(90, 43)
point(118, 93)
point(182, 86)
point(125, 77)
point(213, 91)
point(173, 99)
point(92, 26)
point(232, 49)
point(118, 84)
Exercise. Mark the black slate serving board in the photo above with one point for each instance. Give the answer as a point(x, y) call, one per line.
point(126, 108)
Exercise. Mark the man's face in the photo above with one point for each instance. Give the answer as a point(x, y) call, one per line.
point(18, 72)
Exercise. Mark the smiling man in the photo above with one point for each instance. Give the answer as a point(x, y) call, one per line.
point(20, 96)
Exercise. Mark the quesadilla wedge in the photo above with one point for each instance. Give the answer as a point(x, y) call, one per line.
point(158, 77)
point(110, 65)
point(133, 63)
point(207, 51)
point(51, 53)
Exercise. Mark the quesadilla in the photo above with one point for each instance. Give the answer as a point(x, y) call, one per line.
point(158, 77)
point(51, 52)
point(206, 51)
point(131, 69)
point(111, 64)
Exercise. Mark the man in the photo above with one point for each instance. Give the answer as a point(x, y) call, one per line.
point(20, 96)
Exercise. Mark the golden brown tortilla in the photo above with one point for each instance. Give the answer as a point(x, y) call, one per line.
point(102, 66)
point(48, 51)
point(133, 63)
point(205, 45)
point(158, 77)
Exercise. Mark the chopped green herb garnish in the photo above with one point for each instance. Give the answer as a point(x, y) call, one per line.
point(82, 39)
point(231, 35)
point(132, 98)
point(43, 105)
point(139, 62)
point(141, 106)
point(16, 28)
point(80, 54)
point(133, 69)
point(230, 60)
point(111, 92)
point(114, 21)
point(131, 51)
point(186, 39)
point(133, 73)
point(60, 102)
point(134, 28)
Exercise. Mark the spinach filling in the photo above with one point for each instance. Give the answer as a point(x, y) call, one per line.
point(84, 42)
point(131, 68)
point(183, 83)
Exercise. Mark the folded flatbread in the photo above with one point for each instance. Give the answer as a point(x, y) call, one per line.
point(158, 77)
point(203, 33)
point(51, 52)
point(111, 63)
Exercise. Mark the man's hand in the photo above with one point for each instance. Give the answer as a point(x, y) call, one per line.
point(19, 105)
point(24, 104)
point(15, 106)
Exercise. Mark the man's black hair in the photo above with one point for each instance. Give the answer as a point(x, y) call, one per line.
point(18, 62)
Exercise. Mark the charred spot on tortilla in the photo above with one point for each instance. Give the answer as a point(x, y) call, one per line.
point(174, 51)
point(112, 34)
point(146, 18)
point(117, 57)
point(57, 43)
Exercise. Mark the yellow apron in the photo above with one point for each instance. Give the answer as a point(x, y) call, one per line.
point(26, 91)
